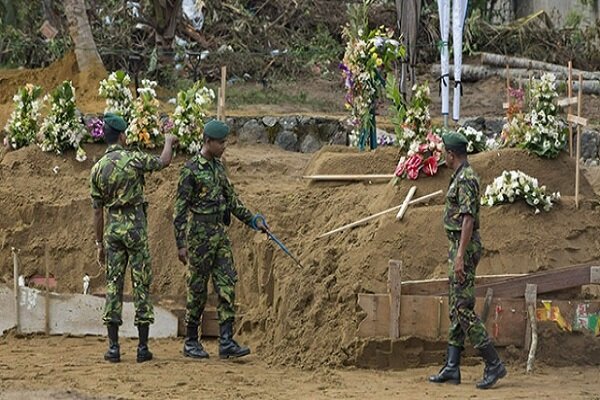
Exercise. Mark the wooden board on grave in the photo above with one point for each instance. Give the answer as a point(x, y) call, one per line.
point(377, 320)
point(437, 287)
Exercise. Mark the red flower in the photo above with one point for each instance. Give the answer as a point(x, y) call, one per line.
point(430, 166)
point(401, 167)
point(413, 165)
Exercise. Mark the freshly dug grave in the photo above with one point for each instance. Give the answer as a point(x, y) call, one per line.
point(305, 317)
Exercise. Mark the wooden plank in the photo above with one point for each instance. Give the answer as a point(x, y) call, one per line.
point(372, 177)
point(487, 304)
point(47, 292)
point(507, 326)
point(595, 275)
point(222, 92)
point(547, 281)
point(366, 219)
point(531, 337)
point(407, 199)
point(439, 286)
point(394, 291)
point(16, 289)
point(577, 120)
point(377, 321)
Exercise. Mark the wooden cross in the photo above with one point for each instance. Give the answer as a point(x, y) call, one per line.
point(568, 102)
point(579, 121)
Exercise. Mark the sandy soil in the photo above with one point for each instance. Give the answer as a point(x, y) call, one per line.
point(72, 368)
point(300, 322)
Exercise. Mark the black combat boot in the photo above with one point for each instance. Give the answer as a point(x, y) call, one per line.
point(114, 353)
point(143, 353)
point(192, 347)
point(450, 373)
point(228, 348)
point(494, 369)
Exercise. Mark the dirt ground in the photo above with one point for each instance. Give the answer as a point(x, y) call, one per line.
point(72, 368)
point(301, 323)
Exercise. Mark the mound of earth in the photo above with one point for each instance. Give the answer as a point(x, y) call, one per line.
point(303, 316)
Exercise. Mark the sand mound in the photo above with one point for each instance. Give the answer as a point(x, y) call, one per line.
point(291, 315)
point(86, 84)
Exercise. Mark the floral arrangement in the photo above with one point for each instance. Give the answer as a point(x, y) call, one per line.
point(412, 122)
point(95, 127)
point(421, 146)
point(144, 127)
point(22, 125)
point(425, 156)
point(62, 128)
point(115, 89)
point(478, 142)
point(368, 59)
point(540, 130)
point(514, 185)
point(190, 112)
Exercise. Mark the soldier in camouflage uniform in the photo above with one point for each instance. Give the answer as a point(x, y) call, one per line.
point(206, 196)
point(117, 185)
point(461, 222)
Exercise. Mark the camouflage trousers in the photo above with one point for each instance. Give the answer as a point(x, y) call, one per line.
point(210, 255)
point(463, 320)
point(126, 242)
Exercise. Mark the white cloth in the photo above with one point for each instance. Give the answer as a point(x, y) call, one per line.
point(444, 13)
point(86, 284)
point(21, 281)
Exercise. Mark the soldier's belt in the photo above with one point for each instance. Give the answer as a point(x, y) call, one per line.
point(124, 208)
point(208, 218)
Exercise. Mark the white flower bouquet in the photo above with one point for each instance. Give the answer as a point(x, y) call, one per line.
point(478, 142)
point(514, 185)
point(62, 128)
point(115, 89)
point(190, 112)
point(23, 123)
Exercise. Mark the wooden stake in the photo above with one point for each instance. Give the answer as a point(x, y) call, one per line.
point(16, 289)
point(569, 95)
point(408, 198)
point(578, 156)
point(222, 92)
point(349, 177)
point(531, 337)
point(507, 105)
point(363, 220)
point(219, 104)
point(47, 302)
point(395, 292)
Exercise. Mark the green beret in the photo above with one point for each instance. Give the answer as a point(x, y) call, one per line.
point(455, 141)
point(215, 129)
point(115, 121)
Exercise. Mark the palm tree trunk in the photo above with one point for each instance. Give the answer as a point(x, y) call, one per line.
point(81, 33)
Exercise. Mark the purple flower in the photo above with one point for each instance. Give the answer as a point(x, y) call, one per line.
point(95, 126)
point(168, 124)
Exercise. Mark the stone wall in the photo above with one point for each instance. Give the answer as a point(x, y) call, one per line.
point(293, 133)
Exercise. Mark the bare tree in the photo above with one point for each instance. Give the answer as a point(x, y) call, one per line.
point(167, 15)
point(81, 33)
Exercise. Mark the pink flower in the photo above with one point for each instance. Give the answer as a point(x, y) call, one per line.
point(401, 167)
point(430, 166)
point(413, 165)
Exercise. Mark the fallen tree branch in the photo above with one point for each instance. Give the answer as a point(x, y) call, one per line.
point(520, 62)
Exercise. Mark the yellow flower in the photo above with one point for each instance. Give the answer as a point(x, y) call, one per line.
point(378, 62)
point(145, 136)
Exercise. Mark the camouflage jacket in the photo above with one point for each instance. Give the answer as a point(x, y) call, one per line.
point(204, 189)
point(462, 198)
point(117, 179)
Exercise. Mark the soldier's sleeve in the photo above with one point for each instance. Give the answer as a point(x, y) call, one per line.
point(185, 190)
point(97, 199)
point(235, 205)
point(147, 162)
point(468, 195)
